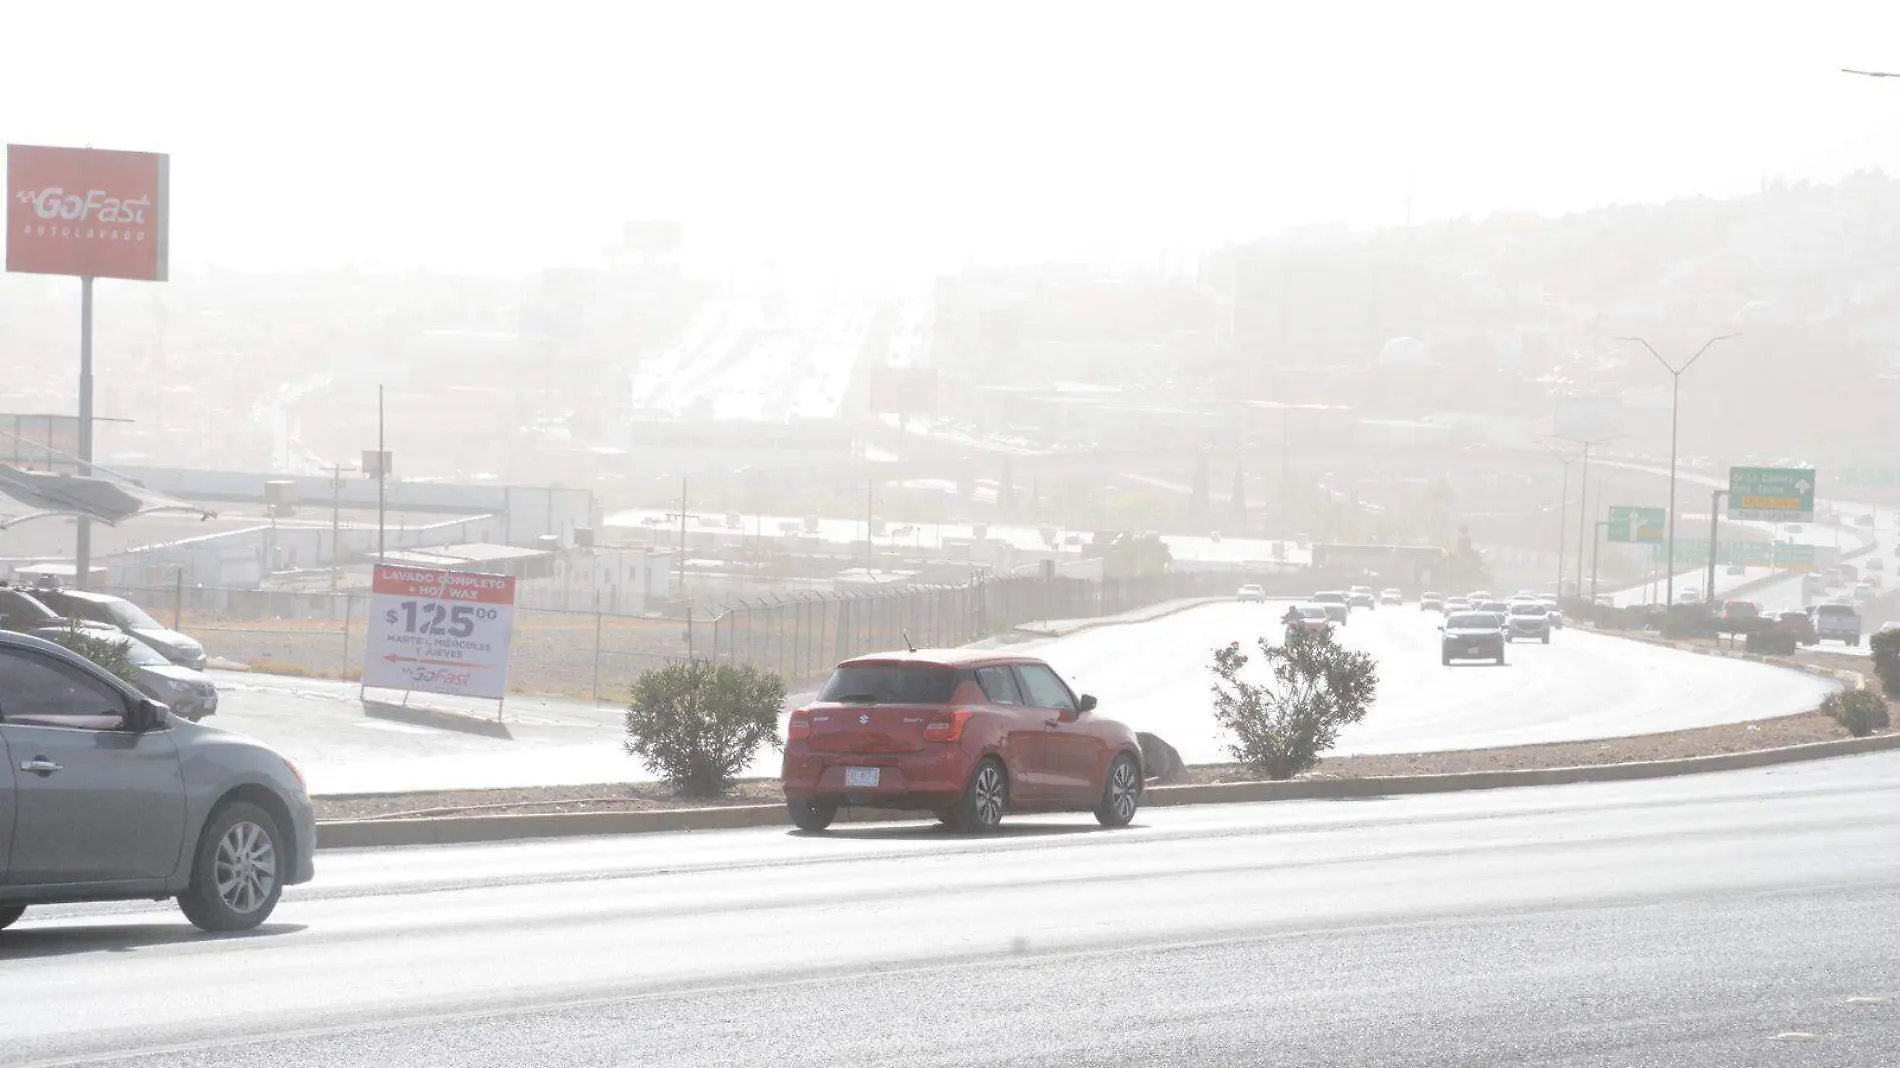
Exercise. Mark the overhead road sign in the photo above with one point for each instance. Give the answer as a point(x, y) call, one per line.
point(1633, 525)
point(1771, 494)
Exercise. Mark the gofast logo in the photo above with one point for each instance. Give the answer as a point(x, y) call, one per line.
point(96, 206)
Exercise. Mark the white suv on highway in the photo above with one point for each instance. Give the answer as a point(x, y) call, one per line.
point(1835, 623)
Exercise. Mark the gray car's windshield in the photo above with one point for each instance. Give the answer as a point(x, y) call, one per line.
point(131, 616)
point(1473, 621)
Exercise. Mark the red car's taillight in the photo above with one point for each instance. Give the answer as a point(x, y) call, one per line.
point(947, 728)
point(799, 727)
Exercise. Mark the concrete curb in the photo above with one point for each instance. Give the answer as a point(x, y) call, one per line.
point(1854, 680)
point(360, 834)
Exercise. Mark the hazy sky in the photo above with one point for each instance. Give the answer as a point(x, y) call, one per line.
point(504, 137)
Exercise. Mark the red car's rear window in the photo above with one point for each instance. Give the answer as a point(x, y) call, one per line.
point(890, 684)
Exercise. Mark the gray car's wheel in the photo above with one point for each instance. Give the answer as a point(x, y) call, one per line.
point(1121, 794)
point(237, 871)
point(980, 809)
point(810, 816)
point(1546, 637)
point(9, 913)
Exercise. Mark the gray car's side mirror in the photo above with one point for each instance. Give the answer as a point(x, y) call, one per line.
point(147, 715)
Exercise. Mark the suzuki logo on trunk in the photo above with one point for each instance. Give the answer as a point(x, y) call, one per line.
point(864, 720)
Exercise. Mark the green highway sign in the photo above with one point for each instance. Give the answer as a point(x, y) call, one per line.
point(1771, 494)
point(1871, 476)
point(1784, 556)
point(1629, 523)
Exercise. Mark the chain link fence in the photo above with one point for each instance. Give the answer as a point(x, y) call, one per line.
point(596, 655)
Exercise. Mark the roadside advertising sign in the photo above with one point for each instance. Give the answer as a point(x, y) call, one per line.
point(1771, 494)
point(1629, 523)
point(440, 631)
point(88, 212)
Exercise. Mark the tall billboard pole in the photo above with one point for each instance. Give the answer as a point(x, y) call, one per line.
point(88, 213)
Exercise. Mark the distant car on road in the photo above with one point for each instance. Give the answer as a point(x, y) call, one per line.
point(1455, 604)
point(1689, 596)
point(1251, 593)
point(1835, 622)
point(1308, 617)
point(1875, 563)
point(1736, 569)
point(189, 693)
point(1391, 597)
point(1500, 608)
point(1431, 602)
point(1797, 625)
point(1362, 597)
point(128, 617)
point(1555, 613)
point(1527, 619)
point(966, 734)
point(1863, 591)
point(21, 611)
point(1472, 636)
point(1338, 609)
point(112, 798)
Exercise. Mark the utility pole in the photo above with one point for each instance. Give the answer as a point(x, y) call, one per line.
point(1675, 411)
point(1715, 517)
point(1583, 499)
point(82, 539)
point(336, 507)
point(1563, 514)
point(382, 473)
point(681, 547)
point(870, 521)
point(1596, 548)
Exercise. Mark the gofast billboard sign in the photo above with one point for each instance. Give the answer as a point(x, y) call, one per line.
point(88, 212)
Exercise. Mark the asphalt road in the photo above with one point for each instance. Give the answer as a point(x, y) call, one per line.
point(1672, 922)
point(1154, 676)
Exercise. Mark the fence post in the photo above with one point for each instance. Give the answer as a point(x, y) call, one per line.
point(778, 628)
point(596, 650)
point(346, 636)
point(178, 596)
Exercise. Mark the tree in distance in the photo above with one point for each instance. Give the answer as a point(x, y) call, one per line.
point(1280, 728)
point(697, 724)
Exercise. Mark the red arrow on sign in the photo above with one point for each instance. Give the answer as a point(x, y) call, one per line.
point(394, 659)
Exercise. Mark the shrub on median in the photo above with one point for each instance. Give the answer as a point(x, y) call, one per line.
point(697, 724)
point(1280, 729)
point(1862, 712)
point(1885, 645)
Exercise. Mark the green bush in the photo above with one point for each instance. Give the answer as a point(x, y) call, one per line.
point(1280, 730)
point(1885, 646)
point(106, 650)
point(697, 724)
point(1862, 712)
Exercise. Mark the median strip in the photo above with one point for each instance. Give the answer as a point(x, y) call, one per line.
point(492, 816)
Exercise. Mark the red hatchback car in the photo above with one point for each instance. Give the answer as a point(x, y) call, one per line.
point(966, 734)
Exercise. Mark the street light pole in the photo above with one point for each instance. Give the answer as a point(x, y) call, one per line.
point(1563, 515)
point(1675, 412)
point(1715, 516)
point(1583, 502)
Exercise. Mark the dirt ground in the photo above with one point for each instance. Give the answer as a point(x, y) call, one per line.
point(1733, 738)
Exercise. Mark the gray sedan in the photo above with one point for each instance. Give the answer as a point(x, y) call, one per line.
point(107, 796)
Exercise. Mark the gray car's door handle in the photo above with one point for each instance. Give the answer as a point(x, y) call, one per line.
point(41, 765)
